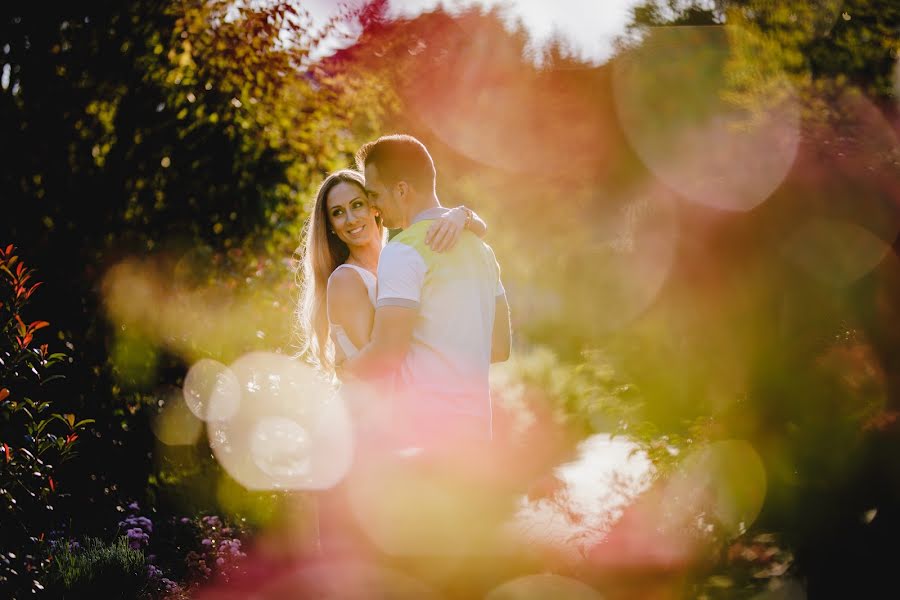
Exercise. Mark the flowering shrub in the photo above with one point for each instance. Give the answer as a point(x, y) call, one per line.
point(190, 550)
point(220, 550)
point(34, 440)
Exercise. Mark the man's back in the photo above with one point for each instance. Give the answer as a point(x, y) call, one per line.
point(443, 381)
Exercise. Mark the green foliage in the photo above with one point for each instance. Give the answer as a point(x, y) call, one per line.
point(34, 440)
point(100, 570)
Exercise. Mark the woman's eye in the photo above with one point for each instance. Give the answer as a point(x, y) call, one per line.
point(357, 205)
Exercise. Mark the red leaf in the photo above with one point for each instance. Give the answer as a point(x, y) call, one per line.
point(32, 288)
point(35, 325)
point(19, 269)
point(9, 249)
point(71, 438)
point(24, 342)
point(7, 451)
point(4, 393)
point(52, 485)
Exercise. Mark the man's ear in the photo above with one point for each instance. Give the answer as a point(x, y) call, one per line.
point(402, 189)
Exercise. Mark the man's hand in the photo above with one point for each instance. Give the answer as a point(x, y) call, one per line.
point(445, 231)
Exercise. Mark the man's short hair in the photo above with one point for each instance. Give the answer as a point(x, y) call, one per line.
point(399, 157)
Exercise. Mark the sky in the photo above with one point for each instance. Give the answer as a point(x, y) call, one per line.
point(588, 26)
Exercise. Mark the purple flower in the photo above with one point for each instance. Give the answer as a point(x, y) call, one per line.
point(137, 539)
point(212, 521)
point(142, 522)
point(220, 561)
point(206, 542)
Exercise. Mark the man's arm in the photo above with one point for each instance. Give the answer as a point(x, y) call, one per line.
point(391, 339)
point(501, 336)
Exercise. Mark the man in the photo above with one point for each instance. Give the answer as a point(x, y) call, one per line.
point(440, 318)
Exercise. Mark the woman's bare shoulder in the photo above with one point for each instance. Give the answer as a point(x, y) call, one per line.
point(346, 290)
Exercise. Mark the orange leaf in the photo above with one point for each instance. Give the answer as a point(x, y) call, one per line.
point(35, 325)
point(22, 327)
point(4, 393)
point(70, 418)
point(7, 452)
point(52, 485)
point(71, 438)
point(19, 269)
point(9, 249)
point(32, 288)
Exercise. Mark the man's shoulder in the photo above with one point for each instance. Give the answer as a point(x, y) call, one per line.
point(411, 238)
point(412, 235)
point(401, 251)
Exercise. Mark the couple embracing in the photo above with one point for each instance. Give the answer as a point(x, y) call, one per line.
point(413, 324)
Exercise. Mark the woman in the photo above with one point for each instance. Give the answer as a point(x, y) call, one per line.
point(343, 240)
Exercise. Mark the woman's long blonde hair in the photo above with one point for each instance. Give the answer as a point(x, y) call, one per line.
point(322, 252)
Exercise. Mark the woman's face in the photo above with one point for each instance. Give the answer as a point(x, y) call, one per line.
point(350, 215)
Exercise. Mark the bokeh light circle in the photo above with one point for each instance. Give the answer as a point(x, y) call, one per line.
point(175, 425)
point(410, 505)
point(290, 430)
point(714, 145)
point(539, 587)
point(834, 251)
point(281, 447)
point(346, 580)
point(211, 390)
point(724, 479)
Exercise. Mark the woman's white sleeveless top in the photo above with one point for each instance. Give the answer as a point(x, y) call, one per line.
point(338, 335)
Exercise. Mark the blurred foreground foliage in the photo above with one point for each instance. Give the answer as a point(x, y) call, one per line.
point(161, 157)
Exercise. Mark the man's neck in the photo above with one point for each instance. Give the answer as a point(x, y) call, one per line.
point(419, 204)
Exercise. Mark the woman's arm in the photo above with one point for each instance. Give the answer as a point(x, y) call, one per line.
point(349, 306)
point(444, 232)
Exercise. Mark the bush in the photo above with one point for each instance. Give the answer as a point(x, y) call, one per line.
point(34, 440)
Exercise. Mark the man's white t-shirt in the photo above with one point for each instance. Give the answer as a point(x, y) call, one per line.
point(443, 380)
